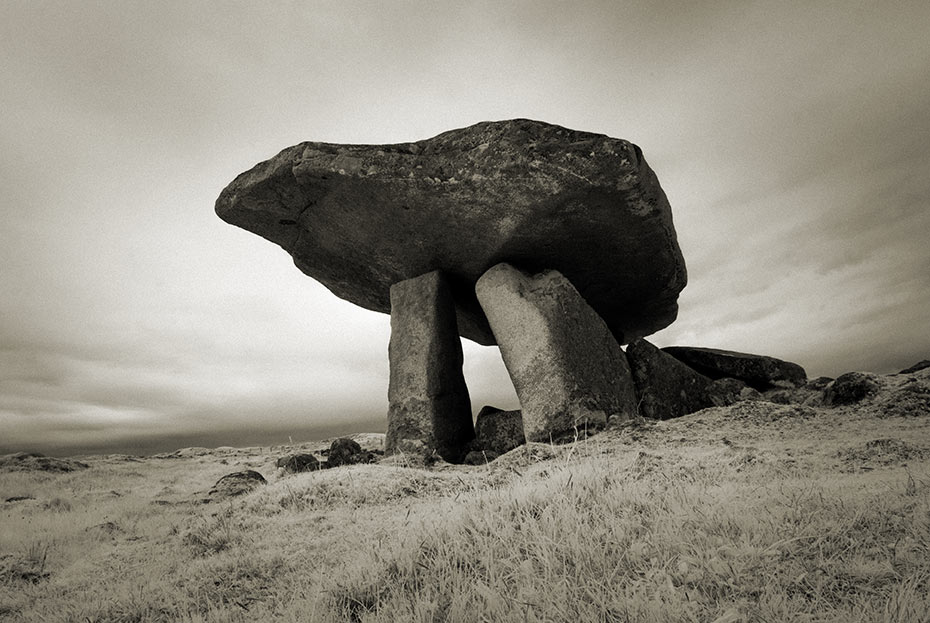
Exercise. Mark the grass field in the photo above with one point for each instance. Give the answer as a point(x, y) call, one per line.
point(754, 512)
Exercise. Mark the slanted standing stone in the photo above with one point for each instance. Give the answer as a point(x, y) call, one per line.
point(566, 366)
point(429, 408)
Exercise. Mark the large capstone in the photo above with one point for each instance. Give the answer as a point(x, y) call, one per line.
point(568, 370)
point(428, 405)
point(360, 218)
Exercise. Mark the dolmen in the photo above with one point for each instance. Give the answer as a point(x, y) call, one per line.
point(555, 244)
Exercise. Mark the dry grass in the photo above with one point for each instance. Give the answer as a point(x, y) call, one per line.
point(756, 512)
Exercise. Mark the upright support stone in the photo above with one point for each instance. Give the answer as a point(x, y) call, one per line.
point(428, 404)
point(568, 370)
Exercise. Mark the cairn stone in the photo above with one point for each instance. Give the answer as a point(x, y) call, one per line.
point(360, 218)
point(568, 370)
point(498, 431)
point(428, 403)
point(665, 387)
point(757, 371)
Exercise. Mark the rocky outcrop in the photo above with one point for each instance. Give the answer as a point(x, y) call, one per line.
point(428, 405)
point(568, 371)
point(498, 431)
point(665, 387)
point(757, 371)
point(360, 218)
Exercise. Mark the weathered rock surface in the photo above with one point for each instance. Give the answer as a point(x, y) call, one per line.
point(665, 387)
point(568, 370)
point(360, 218)
point(237, 483)
point(757, 371)
point(427, 398)
point(498, 431)
point(850, 387)
point(296, 463)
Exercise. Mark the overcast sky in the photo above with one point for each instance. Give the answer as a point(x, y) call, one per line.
point(792, 139)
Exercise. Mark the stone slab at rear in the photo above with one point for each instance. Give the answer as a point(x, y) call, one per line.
point(757, 371)
point(665, 387)
point(568, 370)
point(360, 218)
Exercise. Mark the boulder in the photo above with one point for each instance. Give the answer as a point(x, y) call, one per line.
point(360, 218)
point(665, 387)
point(295, 463)
point(757, 371)
point(569, 372)
point(427, 397)
point(498, 431)
point(850, 388)
point(345, 451)
point(237, 483)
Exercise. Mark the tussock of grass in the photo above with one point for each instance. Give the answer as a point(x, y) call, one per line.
point(601, 542)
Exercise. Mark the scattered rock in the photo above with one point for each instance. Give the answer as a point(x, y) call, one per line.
point(237, 483)
point(850, 388)
point(920, 365)
point(427, 397)
point(665, 387)
point(726, 391)
point(568, 370)
point(295, 463)
point(757, 371)
point(35, 461)
point(498, 432)
point(345, 451)
point(360, 218)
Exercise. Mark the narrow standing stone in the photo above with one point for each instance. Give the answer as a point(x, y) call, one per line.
point(428, 404)
point(568, 370)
